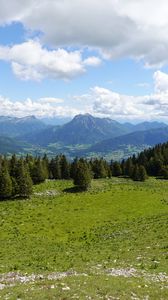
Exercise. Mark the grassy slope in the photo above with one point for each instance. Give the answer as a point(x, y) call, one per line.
point(117, 224)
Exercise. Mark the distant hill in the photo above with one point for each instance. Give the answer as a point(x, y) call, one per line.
point(92, 134)
point(148, 137)
point(148, 125)
point(12, 126)
point(55, 121)
point(83, 129)
point(10, 145)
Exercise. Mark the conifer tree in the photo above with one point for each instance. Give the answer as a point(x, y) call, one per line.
point(23, 181)
point(37, 172)
point(142, 173)
point(73, 168)
point(13, 165)
point(116, 169)
point(128, 168)
point(135, 173)
point(45, 164)
point(100, 168)
point(65, 167)
point(55, 168)
point(83, 175)
point(5, 182)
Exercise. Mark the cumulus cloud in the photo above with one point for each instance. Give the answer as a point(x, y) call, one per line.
point(31, 61)
point(100, 102)
point(161, 81)
point(117, 28)
point(92, 61)
point(43, 107)
point(107, 103)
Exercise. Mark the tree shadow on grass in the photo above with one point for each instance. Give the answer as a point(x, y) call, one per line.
point(74, 190)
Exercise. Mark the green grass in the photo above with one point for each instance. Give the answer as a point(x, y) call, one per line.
point(118, 224)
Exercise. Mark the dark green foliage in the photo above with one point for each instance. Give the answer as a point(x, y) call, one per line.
point(37, 172)
point(82, 177)
point(135, 173)
point(65, 167)
point(152, 162)
point(142, 173)
point(16, 173)
point(100, 168)
point(59, 168)
point(116, 169)
point(55, 168)
point(5, 182)
point(164, 172)
point(23, 182)
point(73, 168)
point(45, 164)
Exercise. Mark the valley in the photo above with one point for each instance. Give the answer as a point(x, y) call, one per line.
point(83, 136)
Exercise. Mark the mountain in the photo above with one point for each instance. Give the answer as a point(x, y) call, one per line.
point(10, 145)
point(55, 121)
point(82, 132)
point(83, 129)
point(148, 137)
point(148, 125)
point(86, 130)
point(12, 126)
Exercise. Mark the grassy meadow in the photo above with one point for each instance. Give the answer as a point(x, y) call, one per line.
point(110, 242)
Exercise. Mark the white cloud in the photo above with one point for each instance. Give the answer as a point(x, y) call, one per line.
point(51, 100)
point(118, 28)
point(92, 61)
point(43, 107)
point(107, 103)
point(99, 101)
point(31, 61)
point(161, 81)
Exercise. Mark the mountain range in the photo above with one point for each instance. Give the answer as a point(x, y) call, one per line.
point(83, 135)
point(14, 127)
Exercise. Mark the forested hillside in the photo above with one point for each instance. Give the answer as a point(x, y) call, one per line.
point(17, 175)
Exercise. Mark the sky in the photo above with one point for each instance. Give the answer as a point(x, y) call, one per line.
point(60, 58)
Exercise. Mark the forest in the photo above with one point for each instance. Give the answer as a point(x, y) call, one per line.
point(18, 175)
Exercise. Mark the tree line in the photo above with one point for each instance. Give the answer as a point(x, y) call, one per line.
point(18, 175)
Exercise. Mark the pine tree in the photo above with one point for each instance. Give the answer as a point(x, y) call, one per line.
point(116, 169)
point(142, 173)
point(164, 172)
point(135, 173)
point(83, 175)
point(37, 172)
point(45, 164)
point(13, 165)
point(5, 182)
point(128, 168)
point(99, 168)
point(73, 168)
point(23, 181)
point(65, 167)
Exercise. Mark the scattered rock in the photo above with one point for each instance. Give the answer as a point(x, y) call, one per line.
point(49, 193)
point(122, 272)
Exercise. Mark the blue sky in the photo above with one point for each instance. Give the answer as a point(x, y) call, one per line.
point(108, 58)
